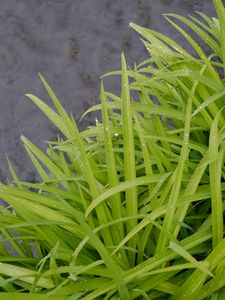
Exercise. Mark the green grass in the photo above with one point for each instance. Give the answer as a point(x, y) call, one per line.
point(133, 207)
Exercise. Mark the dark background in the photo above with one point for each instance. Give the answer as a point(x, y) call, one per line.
point(72, 43)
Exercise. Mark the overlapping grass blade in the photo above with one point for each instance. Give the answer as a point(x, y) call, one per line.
point(129, 154)
point(215, 168)
point(132, 207)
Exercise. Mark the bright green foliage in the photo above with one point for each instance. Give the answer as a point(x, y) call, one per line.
point(133, 207)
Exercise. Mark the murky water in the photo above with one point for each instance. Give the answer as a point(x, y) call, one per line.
point(72, 43)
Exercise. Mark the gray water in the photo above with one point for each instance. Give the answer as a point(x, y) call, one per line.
point(72, 43)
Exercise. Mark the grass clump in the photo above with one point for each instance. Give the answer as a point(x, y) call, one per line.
point(131, 208)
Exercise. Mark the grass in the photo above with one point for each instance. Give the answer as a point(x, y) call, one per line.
point(133, 207)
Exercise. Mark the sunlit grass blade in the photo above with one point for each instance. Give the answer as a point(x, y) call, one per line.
point(110, 159)
point(208, 101)
point(129, 154)
point(197, 48)
point(215, 181)
point(58, 106)
point(148, 33)
point(51, 114)
point(192, 286)
point(131, 207)
point(177, 177)
point(123, 186)
point(220, 10)
point(13, 172)
point(23, 296)
point(24, 275)
point(196, 28)
point(182, 252)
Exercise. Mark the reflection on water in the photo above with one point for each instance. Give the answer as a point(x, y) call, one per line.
point(72, 43)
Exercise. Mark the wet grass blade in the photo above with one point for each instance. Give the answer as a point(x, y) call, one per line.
point(129, 154)
point(215, 168)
